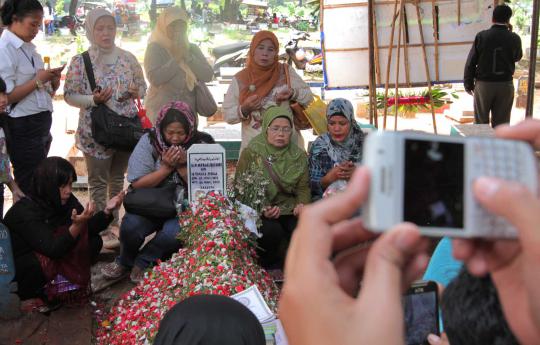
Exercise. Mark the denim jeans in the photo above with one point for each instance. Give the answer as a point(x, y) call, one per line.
point(135, 228)
point(30, 140)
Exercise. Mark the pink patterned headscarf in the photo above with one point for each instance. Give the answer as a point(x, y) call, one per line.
point(159, 142)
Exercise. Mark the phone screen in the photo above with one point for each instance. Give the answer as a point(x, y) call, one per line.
point(421, 317)
point(434, 179)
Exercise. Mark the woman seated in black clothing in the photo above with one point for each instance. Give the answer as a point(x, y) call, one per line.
point(54, 238)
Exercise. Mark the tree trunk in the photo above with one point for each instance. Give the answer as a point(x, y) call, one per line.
point(230, 11)
point(73, 7)
point(152, 13)
point(300, 3)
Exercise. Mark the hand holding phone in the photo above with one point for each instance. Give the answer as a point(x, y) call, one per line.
point(102, 95)
point(45, 75)
point(58, 69)
point(329, 256)
point(346, 169)
point(421, 312)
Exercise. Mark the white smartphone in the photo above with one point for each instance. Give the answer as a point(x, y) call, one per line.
point(427, 180)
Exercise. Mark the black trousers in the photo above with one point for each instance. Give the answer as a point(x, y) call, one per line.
point(29, 141)
point(275, 240)
point(29, 275)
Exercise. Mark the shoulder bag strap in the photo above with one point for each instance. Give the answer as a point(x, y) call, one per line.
point(287, 75)
point(274, 177)
point(89, 70)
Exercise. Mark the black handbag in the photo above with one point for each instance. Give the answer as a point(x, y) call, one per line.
point(108, 128)
point(157, 202)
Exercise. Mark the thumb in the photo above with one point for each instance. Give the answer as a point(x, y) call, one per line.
point(512, 201)
point(435, 340)
point(73, 213)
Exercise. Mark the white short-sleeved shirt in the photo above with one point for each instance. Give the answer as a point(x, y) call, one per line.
point(19, 62)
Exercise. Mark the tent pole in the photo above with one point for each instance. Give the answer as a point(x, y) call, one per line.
point(532, 60)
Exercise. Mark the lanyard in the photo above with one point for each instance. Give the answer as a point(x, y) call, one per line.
point(31, 60)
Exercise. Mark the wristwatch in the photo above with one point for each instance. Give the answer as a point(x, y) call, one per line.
point(39, 84)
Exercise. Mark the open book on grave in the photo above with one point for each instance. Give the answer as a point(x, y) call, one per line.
point(254, 301)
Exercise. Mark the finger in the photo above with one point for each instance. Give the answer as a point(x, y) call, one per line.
point(350, 233)
point(415, 269)
point(86, 207)
point(73, 214)
point(90, 207)
point(527, 130)
point(434, 339)
point(349, 266)
point(473, 254)
point(462, 249)
point(121, 195)
point(514, 202)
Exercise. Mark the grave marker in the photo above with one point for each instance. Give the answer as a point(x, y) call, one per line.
point(206, 170)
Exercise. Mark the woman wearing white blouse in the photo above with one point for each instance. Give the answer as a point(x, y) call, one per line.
point(29, 88)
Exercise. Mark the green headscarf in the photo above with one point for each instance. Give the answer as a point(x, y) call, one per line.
point(290, 162)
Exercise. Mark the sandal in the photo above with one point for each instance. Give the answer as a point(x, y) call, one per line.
point(110, 238)
point(114, 270)
point(137, 275)
point(37, 304)
point(30, 305)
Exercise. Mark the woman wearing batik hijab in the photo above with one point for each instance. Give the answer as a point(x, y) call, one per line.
point(210, 320)
point(120, 80)
point(172, 64)
point(159, 158)
point(262, 84)
point(285, 170)
point(334, 154)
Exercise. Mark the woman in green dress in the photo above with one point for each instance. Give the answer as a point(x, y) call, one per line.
point(283, 168)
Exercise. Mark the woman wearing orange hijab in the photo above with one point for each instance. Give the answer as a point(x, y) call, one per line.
point(260, 85)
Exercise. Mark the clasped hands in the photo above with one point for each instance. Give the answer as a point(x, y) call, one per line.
point(174, 158)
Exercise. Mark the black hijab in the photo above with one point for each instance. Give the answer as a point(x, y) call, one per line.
point(210, 320)
point(51, 174)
